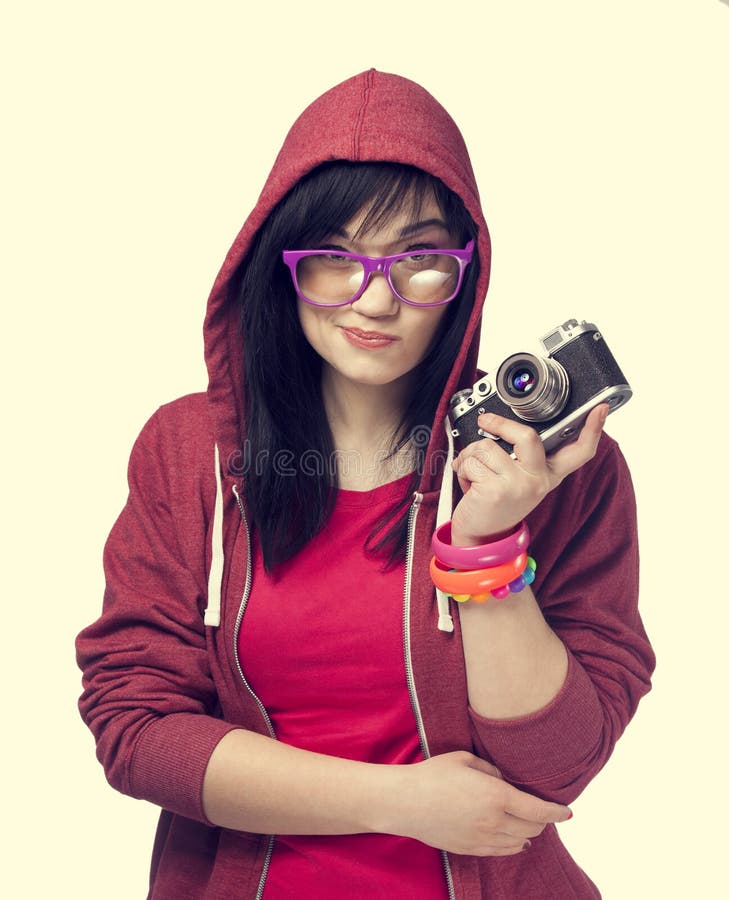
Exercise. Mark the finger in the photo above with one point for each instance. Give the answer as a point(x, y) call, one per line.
point(477, 763)
point(533, 810)
point(519, 830)
point(571, 456)
point(491, 850)
point(508, 842)
point(480, 459)
point(528, 446)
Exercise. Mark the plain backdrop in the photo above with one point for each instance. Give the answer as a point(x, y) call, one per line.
point(137, 137)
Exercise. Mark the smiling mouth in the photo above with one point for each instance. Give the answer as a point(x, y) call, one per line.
point(370, 335)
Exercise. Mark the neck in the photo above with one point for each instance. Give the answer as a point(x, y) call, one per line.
point(363, 410)
point(363, 419)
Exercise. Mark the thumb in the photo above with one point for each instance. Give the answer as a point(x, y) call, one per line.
point(463, 483)
point(482, 766)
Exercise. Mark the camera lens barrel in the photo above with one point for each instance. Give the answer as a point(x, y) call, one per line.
point(534, 387)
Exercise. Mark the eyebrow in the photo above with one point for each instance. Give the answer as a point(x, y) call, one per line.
point(421, 226)
point(407, 230)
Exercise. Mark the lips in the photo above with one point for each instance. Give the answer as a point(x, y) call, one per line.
point(370, 340)
point(372, 335)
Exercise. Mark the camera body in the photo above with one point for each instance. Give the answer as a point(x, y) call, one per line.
point(553, 393)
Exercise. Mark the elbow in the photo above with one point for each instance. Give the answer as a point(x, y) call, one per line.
point(555, 753)
point(565, 784)
point(117, 736)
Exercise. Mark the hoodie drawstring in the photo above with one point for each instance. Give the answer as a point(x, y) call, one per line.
point(445, 508)
point(215, 576)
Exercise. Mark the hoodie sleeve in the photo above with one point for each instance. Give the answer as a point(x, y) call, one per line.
point(586, 549)
point(148, 694)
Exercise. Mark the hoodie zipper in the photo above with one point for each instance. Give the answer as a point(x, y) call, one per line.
point(261, 707)
point(409, 673)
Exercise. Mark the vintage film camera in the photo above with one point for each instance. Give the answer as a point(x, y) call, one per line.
point(553, 394)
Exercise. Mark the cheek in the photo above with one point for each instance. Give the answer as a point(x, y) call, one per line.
point(309, 320)
point(427, 328)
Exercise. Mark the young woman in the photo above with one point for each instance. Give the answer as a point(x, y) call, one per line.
point(272, 665)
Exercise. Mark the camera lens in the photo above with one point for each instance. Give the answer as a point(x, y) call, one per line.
point(523, 381)
point(535, 388)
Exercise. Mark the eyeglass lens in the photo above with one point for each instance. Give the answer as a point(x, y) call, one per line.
point(421, 278)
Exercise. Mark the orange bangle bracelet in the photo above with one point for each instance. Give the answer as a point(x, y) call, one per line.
point(477, 581)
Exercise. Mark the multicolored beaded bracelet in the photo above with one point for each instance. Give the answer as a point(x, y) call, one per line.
point(518, 584)
point(499, 593)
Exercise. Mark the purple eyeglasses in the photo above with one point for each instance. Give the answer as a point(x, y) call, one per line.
point(427, 277)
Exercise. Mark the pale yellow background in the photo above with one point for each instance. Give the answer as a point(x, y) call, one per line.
point(137, 136)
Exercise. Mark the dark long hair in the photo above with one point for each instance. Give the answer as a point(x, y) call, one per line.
point(291, 483)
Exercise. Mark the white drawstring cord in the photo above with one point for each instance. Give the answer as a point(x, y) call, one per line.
point(215, 577)
point(445, 508)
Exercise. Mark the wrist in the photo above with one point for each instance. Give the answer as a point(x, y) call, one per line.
point(391, 810)
point(460, 538)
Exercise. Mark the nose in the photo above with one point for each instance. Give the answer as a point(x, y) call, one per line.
point(377, 299)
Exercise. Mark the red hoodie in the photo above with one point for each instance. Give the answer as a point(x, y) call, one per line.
point(162, 681)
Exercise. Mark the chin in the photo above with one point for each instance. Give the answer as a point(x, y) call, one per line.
point(371, 376)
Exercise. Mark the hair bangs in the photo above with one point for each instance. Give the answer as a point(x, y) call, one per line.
point(334, 194)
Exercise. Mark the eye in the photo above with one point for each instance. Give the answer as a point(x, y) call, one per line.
point(336, 256)
point(419, 257)
point(335, 259)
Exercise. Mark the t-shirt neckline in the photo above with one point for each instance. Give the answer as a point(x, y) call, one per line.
point(391, 490)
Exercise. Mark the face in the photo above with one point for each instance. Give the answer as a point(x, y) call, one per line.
point(377, 340)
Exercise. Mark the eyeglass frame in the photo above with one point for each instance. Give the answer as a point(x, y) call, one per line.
point(382, 264)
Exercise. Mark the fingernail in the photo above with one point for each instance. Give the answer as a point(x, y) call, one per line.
point(569, 815)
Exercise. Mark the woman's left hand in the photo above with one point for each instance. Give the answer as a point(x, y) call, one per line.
point(498, 490)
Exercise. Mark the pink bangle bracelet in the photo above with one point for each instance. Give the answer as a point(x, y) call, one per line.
point(483, 556)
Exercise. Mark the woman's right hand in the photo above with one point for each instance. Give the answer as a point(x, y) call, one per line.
point(461, 804)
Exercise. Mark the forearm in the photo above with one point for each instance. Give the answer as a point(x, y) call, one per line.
point(253, 783)
point(455, 801)
point(515, 663)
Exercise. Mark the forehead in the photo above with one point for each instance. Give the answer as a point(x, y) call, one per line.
point(393, 219)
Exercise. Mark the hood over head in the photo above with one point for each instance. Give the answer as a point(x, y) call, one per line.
point(371, 117)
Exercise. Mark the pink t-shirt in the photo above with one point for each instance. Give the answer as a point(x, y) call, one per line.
point(321, 644)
